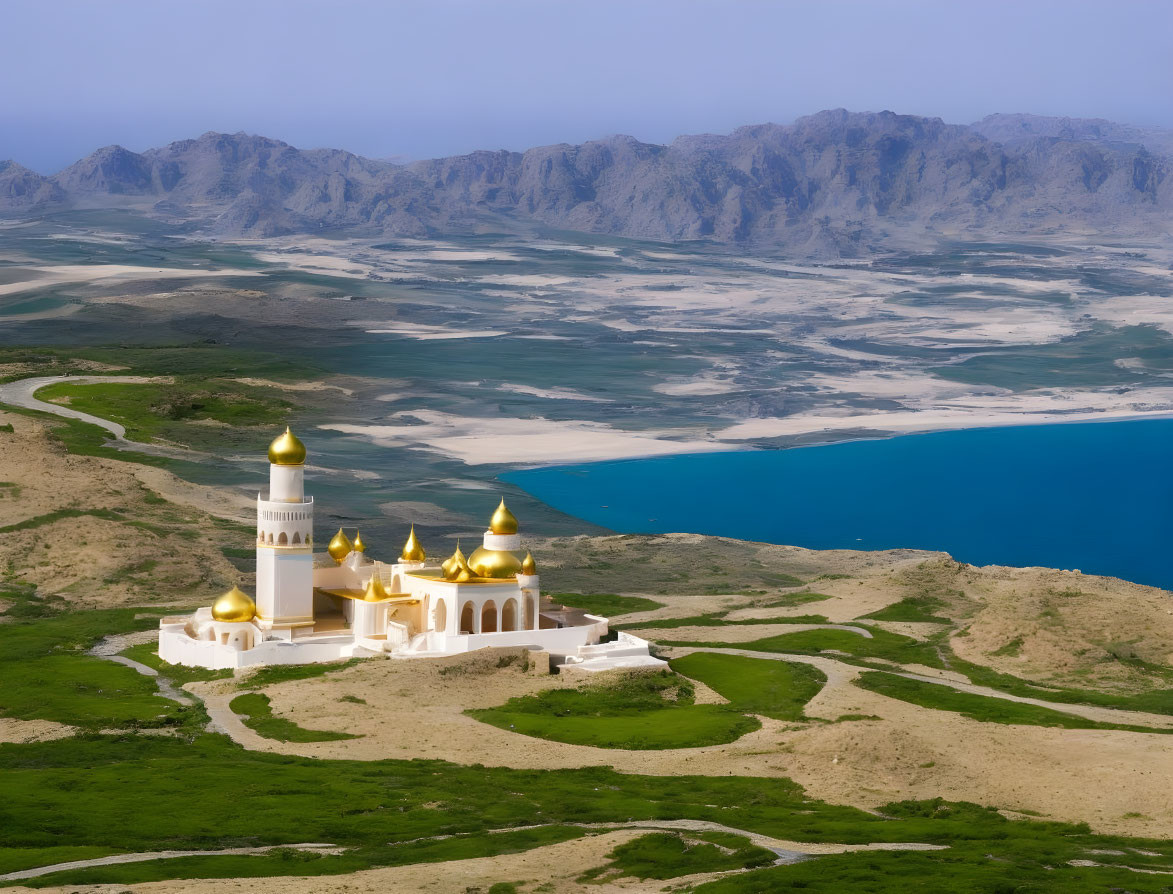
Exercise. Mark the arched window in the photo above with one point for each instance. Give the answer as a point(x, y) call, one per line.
point(441, 616)
point(489, 617)
point(531, 612)
point(509, 615)
point(282, 540)
point(466, 618)
point(270, 538)
point(296, 537)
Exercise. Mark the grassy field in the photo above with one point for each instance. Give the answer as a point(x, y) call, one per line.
point(166, 411)
point(979, 707)
point(148, 654)
point(778, 689)
point(609, 605)
point(638, 711)
point(134, 793)
point(665, 855)
point(717, 619)
point(882, 644)
point(256, 714)
point(914, 608)
point(47, 674)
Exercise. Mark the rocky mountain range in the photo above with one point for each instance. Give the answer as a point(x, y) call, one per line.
point(835, 182)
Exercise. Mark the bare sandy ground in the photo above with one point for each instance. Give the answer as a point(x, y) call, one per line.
point(476, 441)
point(13, 730)
point(107, 274)
point(94, 560)
point(1109, 779)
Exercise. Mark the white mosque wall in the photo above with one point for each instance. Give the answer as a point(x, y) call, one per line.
point(285, 584)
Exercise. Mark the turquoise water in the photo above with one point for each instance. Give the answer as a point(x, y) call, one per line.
point(1092, 496)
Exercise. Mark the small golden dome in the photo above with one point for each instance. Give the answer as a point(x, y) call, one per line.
point(498, 563)
point(456, 567)
point(340, 547)
point(358, 546)
point(503, 521)
point(287, 450)
point(375, 590)
point(235, 605)
point(413, 551)
point(527, 564)
point(453, 560)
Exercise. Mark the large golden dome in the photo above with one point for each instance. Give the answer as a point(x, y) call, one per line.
point(498, 563)
point(287, 450)
point(413, 550)
point(339, 547)
point(503, 521)
point(235, 605)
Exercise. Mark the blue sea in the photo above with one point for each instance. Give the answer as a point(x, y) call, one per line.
point(1092, 496)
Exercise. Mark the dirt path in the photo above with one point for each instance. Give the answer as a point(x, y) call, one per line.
point(109, 647)
point(787, 851)
point(21, 394)
point(115, 859)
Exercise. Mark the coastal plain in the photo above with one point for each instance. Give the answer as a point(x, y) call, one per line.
point(974, 725)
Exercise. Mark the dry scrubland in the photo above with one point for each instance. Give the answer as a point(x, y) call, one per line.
point(100, 532)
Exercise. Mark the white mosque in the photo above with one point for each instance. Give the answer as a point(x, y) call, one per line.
point(343, 604)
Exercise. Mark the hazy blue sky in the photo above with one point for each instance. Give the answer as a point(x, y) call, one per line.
point(435, 78)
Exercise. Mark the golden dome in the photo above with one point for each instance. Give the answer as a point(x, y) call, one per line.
point(235, 605)
point(358, 546)
point(527, 564)
point(340, 547)
point(455, 559)
point(503, 521)
point(287, 450)
point(413, 551)
point(498, 563)
point(375, 590)
point(456, 567)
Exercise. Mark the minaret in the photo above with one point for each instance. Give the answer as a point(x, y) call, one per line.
point(285, 528)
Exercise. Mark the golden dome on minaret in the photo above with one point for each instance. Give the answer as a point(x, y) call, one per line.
point(358, 546)
point(339, 547)
point(498, 563)
point(235, 605)
point(503, 521)
point(527, 564)
point(375, 590)
point(413, 550)
point(287, 450)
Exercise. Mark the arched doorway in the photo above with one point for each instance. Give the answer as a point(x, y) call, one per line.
point(466, 618)
point(441, 619)
point(489, 617)
point(509, 615)
point(530, 602)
